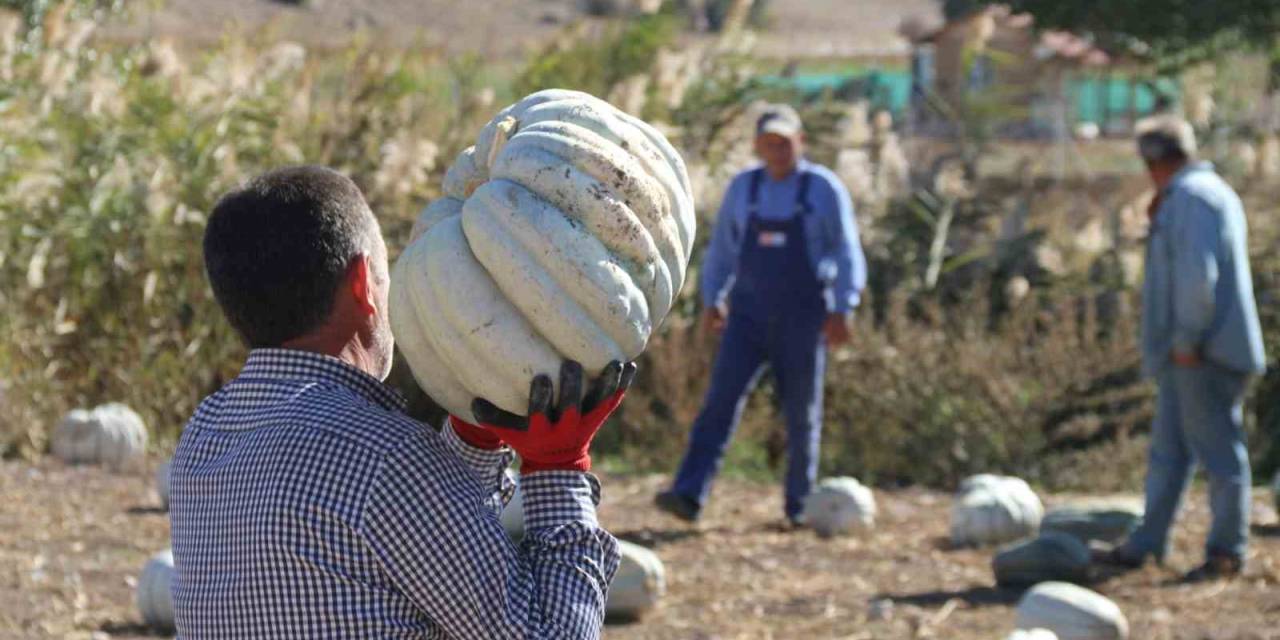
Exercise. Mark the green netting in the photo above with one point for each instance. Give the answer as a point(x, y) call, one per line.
point(1093, 98)
point(884, 89)
point(1097, 98)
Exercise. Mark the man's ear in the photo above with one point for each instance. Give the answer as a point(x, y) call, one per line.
point(360, 283)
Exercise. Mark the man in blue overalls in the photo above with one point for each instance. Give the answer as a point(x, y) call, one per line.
point(781, 279)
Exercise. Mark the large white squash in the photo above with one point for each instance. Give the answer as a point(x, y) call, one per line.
point(638, 585)
point(992, 509)
point(564, 233)
point(838, 506)
point(1071, 613)
point(111, 435)
point(155, 591)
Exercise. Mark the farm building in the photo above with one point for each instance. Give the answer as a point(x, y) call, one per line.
point(1039, 83)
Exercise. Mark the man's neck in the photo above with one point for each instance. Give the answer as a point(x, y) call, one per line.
point(1165, 177)
point(348, 350)
point(781, 173)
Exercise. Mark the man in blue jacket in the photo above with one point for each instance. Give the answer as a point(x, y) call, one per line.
point(1201, 340)
point(781, 279)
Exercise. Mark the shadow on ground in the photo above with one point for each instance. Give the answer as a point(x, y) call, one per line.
point(973, 596)
point(132, 629)
point(1266, 530)
point(145, 510)
point(654, 538)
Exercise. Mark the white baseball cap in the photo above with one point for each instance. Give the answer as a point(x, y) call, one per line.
point(780, 119)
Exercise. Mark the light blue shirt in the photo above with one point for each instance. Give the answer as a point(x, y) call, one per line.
point(1197, 296)
point(831, 234)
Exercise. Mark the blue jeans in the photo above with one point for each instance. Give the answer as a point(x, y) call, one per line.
point(795, 348)
point(1198, 419)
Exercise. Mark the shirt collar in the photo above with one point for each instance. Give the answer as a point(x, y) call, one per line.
point(308, 366)
point(1185, 172)
point(802, 165)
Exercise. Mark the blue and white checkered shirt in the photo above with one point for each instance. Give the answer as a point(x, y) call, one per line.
point(306, 504)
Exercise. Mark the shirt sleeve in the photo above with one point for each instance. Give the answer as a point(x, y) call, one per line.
point(844, 248)
point(1195, 242)
point(427, 522)
point(722, 254)
point(490, 465)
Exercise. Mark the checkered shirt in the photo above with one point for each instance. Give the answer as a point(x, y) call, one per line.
point(305, 504)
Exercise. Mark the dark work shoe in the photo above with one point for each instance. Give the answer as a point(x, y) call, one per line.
point(677, 505)
point(1216, 567)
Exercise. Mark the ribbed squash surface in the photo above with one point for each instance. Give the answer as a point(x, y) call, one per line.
point(563, 233)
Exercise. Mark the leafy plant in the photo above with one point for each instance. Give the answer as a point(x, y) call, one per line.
point(596, 64)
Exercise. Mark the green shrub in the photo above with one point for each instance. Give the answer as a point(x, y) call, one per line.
point(595, 64)
point(109, 159)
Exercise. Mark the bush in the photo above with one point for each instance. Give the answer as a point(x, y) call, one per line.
point(928, 401)
point(596, 64)
point(109, 158)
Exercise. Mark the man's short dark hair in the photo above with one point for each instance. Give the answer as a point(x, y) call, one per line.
point(1166, 138)
point(277, 249)
point(1158, 146)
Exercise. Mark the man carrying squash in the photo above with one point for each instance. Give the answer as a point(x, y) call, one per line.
point(306, 504)
point(1201, 340)
point(781, 278)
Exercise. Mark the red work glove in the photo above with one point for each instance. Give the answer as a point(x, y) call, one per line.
point(558, 438)
point(475, 436)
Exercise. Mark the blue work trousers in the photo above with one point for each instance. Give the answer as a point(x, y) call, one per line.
point(795, 349)
point(1198, 419)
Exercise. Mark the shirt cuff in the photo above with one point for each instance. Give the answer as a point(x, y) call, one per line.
point(486, 462)
point(557, 498)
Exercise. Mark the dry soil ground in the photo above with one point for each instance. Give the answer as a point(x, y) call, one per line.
point(73, 539)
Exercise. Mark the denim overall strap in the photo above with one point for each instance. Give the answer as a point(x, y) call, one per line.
point(775, 276)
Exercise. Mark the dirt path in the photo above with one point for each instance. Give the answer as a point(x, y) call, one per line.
point(73, 539)
point(509, 28)
point(491, 28)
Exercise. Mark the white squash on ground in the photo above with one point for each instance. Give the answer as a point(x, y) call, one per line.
point(111, 435)
point(1095, 520)
point(992, 509)
point(564, 233)
point(838, 506)
point(1054, 556)
point(1071, 612)
point(162, 482)
point(1032, 634)
point(155, 591)
point(638, 585)
point(513, 512)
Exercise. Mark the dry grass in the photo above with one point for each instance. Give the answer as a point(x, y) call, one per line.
point(72, 540)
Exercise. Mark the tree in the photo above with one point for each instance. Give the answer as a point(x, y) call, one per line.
point(1172, 33)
